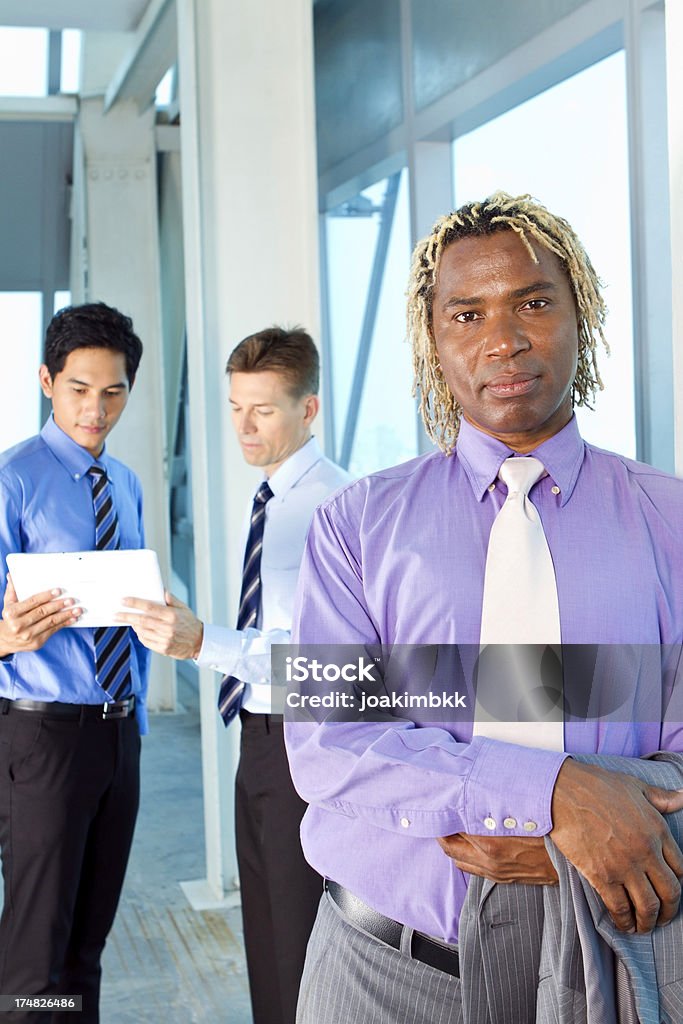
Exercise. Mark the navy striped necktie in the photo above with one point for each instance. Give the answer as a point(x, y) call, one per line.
point(112, 643)
point(232, 691)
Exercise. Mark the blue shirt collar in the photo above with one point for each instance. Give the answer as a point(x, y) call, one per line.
point(482, 456)
point(293, 468)
point(75, 459)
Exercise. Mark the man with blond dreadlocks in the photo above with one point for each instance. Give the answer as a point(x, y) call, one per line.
point(505, 316)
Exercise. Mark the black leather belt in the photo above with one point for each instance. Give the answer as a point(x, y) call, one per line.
point(96, 712)
point(257, 720)
point(422, 947)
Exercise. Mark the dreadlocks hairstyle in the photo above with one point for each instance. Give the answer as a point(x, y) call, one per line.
point(533, 224)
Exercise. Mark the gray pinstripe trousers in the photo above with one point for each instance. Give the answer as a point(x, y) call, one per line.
point(352, 978)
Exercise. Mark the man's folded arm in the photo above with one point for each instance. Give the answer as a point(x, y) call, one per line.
point(420, 782)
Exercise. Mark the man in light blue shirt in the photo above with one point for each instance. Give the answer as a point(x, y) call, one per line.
point(72, 700)
point(274, 401)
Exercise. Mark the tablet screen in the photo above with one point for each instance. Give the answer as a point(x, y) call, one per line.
point(97, 580)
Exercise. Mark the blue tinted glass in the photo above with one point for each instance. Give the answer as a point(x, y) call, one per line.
point(386, 428)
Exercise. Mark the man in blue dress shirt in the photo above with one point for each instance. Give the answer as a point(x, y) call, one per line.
point(71, 700)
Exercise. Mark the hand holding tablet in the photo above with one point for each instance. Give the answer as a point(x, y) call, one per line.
point(97, 581)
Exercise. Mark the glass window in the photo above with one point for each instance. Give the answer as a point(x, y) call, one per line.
point(351, 231)
point(576, 163)
point(21, 325)
point(62, 299)
point(23, 61)
point(386, 432)
point(368, 255)
point(165, 89)
point(71, 60)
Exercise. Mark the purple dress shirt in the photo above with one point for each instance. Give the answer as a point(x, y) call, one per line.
point(398, 558)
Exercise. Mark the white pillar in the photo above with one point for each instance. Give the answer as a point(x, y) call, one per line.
point(431, 192)
point(115, 258)
point(674, 65)
point(251, 258)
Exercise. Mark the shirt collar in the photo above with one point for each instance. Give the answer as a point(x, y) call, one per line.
point(75, 459)
point(293, 468)
point(482, 456)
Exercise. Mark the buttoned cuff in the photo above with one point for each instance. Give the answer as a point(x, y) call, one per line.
point(220, 650)
point(510, 788)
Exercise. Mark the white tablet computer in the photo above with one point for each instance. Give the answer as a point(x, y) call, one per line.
point(97, 580)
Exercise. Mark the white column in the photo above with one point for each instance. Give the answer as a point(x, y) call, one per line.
point(674, 65)
point(431, 193)
point(251, 258)
point(115, 258)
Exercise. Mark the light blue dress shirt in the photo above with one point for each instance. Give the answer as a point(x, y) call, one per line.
point(46, 506)
point(301, 483)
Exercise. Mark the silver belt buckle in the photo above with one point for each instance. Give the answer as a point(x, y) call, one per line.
point(116, 709)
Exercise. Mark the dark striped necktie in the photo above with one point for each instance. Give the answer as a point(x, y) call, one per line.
point(231, 695)
point(112, 643)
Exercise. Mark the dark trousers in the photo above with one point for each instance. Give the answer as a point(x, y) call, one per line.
point(69, 793)
point(280, 891)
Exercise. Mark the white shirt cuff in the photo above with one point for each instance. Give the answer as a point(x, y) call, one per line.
point(242, 653)
point(220, 650)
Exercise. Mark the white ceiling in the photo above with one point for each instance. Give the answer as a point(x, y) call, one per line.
point(102, 15)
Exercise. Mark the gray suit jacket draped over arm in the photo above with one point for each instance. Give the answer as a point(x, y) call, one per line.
point(552, 955)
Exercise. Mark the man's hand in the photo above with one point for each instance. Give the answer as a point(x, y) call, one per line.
point(610, 827)
point(170, 629)
point(521, 859)
point(26, 625)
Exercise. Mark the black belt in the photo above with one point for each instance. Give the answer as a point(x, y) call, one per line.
point(422, 947)
point(257, 720)
point(55, 708)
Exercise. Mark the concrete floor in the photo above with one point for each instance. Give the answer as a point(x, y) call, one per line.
point(165, 962)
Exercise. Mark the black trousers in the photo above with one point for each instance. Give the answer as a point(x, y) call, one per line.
point(69, 793)
point(280, 891)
